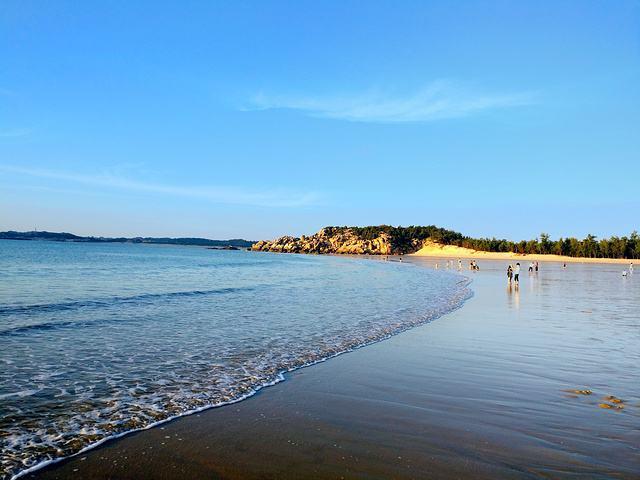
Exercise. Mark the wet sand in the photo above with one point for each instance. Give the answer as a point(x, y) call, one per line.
point(479, 393)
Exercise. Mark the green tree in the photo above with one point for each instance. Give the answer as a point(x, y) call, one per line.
point(589, 246)
point(545, 244)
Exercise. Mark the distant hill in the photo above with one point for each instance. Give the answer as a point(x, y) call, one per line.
point(388, 240)
point(69, 237)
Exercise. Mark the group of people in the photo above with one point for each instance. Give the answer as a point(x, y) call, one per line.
point(473, 265)
point(513, 273)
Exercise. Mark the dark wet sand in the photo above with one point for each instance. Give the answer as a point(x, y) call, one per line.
point(476, 394)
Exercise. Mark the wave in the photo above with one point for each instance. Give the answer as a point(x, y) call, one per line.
point(456, 301)
point(102, 303)
point(106, 302)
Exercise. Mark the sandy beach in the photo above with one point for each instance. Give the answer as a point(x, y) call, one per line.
point(436, 250)
point(484, 392)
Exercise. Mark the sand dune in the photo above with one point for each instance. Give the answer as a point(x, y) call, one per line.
point(431, 249)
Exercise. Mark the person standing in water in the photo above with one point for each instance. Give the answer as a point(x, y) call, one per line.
point(509, 273)
point(516, 273)
point(631, 268)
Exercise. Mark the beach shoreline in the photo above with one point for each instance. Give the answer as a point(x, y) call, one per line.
point(462, 296)
point(479, 393)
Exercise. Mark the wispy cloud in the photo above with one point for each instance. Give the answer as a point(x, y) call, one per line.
point(438, 100)
point(214, 194)
point(15, 132)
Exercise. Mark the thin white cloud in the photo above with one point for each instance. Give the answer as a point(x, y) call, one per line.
point(15, 132)
point(436, 101)
point(223, 195)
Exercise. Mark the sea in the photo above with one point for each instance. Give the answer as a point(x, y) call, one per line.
point(101, 339)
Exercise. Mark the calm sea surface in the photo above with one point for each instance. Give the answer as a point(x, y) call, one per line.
point(100, 339)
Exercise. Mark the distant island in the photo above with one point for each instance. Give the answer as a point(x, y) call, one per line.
point(435, 241)
point(69, 237)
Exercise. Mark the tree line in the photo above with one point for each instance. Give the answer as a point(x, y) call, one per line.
point(590, 246)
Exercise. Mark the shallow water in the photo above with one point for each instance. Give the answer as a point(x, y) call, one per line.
point(483, 393)
point(100, 339)
point(536, 367)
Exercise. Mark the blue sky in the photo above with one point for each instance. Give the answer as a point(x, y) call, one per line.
point(256, 119)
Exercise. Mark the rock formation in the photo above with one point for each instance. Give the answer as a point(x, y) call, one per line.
point(338, 240)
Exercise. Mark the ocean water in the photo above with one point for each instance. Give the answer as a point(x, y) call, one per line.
point(97, 340)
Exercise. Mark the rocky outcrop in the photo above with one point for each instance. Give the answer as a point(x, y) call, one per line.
point(338, 240)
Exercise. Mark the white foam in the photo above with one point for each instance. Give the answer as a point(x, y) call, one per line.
point(279, 377)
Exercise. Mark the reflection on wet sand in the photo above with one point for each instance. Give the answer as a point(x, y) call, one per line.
point(513, 295)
